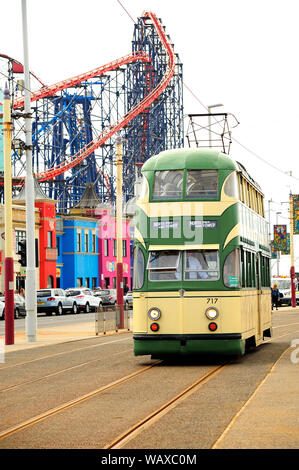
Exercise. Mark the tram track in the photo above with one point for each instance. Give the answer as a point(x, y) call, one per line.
point(36, 419)
point(141, 425)
point(121, 440)
point(67, 369)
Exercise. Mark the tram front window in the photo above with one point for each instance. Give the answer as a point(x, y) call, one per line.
point(202, 184)
point(164, 265)
point(168, 185)
point(201, 265)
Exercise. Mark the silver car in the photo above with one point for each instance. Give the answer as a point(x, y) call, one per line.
point(55, 301)
point(84, 298)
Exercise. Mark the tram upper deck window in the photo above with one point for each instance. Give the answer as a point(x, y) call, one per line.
point(202, 184)
point(168, 184)
point(201, 265)
point(164, 265)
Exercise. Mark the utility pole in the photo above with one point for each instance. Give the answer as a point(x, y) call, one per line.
point(119, 230)
point(30, 291)
point(292, 270)
point(9, 262)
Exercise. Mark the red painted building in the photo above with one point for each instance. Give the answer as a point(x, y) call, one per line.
point(46, 235)
point(47, 243)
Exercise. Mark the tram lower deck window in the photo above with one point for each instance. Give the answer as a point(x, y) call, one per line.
point(164, 265)
point(201, 265)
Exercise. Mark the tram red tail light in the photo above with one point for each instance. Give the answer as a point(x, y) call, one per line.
point(154, 327)
point(213, 326)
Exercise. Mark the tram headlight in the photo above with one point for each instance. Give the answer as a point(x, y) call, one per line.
point(212, 313)
point(154, 314)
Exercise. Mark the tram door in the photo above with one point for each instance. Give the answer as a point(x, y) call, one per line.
point(259, 294)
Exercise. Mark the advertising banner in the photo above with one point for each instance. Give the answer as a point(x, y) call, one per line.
point(280, 237)
point(273, 252)
point(288, 249)
point(295, 198)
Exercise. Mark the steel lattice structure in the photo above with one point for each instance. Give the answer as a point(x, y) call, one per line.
point(74, 122)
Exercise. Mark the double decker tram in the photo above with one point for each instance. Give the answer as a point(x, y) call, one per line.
point(201, 281)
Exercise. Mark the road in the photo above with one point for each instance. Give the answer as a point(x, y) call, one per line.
point(94, 393)
point(44, 321)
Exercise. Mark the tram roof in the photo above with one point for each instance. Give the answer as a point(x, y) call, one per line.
point(190, 158)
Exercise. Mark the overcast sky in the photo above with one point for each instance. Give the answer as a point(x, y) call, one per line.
point(242, 54)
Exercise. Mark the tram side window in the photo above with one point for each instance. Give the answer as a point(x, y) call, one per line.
point(201, 264)
point(168, 185)
point(231, 185)
point(202, 184)
point(164, 265)
point(231, 269)
point(138, 268)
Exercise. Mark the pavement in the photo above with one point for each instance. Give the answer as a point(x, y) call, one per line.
point(57, 334)
point(269, 419)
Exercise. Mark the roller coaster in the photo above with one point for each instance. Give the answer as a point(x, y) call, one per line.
point(74, 121)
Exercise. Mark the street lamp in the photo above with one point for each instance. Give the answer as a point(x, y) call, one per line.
point(278, 252)
point(209, 110)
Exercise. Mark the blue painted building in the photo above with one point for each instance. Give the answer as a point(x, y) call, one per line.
point(77, 251)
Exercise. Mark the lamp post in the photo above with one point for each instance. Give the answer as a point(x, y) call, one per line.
point(278, 252)
point(31, 311)
point(119, 236)
point(8, 263)
point(209, 110)
point(292, 270)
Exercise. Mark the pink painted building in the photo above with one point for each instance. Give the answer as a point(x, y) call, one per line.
point(107, 251)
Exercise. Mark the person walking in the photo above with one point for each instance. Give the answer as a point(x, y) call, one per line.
point(275, 294)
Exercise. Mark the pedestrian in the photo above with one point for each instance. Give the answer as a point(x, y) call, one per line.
point(275, 295)
point(194, 267)
point(22, 292)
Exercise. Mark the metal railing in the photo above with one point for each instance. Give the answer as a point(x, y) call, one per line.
point(108, 319)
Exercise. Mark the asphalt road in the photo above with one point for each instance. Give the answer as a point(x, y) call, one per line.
point(44, 321)
point(41, 379)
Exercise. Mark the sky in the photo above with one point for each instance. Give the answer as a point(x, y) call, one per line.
point(242, 54)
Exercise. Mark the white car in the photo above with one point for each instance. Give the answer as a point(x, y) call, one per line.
point(2, 305)
point(84, 297)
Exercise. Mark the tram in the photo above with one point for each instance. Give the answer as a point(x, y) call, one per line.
point(201, 278)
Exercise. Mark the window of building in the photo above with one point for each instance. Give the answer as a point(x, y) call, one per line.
point(168, 184)
point(107, 282)
point(58, 246)
point(114, 247)
point(78, 242)
point(50, 282)
point(87, 282)
point(106, 247)
point(94, 243)
point(93, 283)
point(87, 242)
point(50, 242)
point(114, 282)
point(79, 282)
point(124, 247)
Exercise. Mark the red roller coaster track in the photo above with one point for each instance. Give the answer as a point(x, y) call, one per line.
point(117, 126)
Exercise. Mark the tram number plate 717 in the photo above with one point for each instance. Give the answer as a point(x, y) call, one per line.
point(212, 300)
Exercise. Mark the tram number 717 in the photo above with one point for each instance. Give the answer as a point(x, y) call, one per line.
point(212, 300)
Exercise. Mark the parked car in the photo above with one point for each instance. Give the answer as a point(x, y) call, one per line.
point(2, 309)
point(55, 300)
point(108, 296)
point(19, 306)
point(84, 297)
point(128, 300)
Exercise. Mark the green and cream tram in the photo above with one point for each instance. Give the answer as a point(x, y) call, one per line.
point(201, 281)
